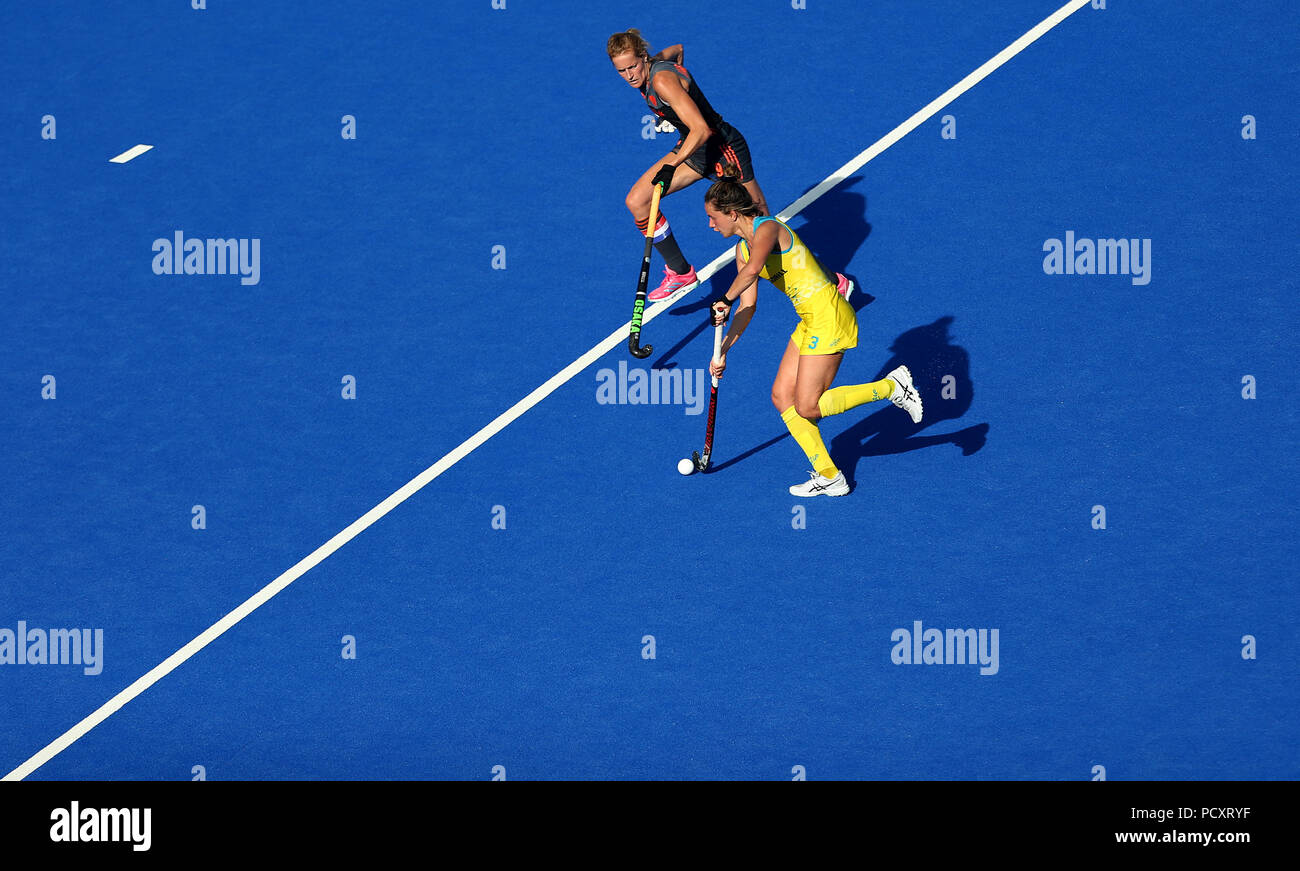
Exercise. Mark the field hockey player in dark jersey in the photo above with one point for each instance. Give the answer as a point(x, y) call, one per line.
point(708, 145)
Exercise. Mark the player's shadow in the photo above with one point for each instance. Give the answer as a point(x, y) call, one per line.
point(834, 227)
point(941, 375)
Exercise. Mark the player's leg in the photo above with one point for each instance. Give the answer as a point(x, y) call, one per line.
point(896, 387)
point(786, 376)
point(837, 323)
point(840, 399)
point(678, 272)
point(638, 197)
point(813, 379)
point(826, 478)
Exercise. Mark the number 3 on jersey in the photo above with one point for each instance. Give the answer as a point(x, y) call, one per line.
point(812, 343)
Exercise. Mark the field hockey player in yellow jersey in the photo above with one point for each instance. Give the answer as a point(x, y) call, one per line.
point(828, 327)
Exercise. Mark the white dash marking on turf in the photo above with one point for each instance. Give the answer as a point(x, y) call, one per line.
point(614, 339)
point(130, 154)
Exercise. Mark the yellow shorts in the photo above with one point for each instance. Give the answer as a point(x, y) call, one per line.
point(828, 329)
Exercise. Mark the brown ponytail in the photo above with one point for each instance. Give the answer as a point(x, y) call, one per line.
point(728, 195)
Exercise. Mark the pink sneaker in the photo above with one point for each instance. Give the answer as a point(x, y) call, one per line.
point(672, 283)
point(843, 286)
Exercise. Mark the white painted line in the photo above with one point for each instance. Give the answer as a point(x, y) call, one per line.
point(614, 339)
point(130, 154)
point(934, 106)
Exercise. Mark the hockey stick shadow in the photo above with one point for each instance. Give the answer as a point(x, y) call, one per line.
point(749, 453)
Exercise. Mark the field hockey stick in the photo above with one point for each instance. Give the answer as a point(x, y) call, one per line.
point(702, 461)
point(638, 308)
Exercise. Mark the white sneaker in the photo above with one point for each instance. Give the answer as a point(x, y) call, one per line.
point(819, 486)
point(905, 395)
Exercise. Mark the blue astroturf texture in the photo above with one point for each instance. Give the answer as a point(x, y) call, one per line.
point(1104, 485)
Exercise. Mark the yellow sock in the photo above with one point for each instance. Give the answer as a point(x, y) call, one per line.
point(839, 399)
point(809, 437)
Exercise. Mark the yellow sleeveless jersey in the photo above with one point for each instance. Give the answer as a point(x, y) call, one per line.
point(827, 324)
point(795, 272)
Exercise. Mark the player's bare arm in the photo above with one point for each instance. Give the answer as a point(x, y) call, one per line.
point(673, 54)
point(670, 88)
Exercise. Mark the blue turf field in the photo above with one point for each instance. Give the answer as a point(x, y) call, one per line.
point(523, 647)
